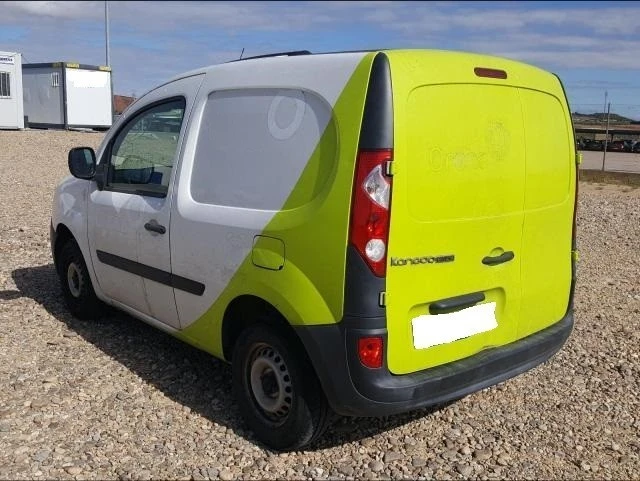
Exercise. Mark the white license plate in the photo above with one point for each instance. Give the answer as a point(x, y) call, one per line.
point(432, 330)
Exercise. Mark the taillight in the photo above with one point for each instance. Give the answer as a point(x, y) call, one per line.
point(370, 208)
point(370, 351)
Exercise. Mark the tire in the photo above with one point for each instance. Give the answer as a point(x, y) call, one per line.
point(76, 284)
point(277, 391)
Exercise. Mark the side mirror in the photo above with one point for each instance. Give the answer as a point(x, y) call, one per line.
point(82, 162)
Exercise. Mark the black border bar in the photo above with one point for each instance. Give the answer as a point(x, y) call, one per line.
point(148, 272)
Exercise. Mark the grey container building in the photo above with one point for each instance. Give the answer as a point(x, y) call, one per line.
point(67, 95)
point(11, 116)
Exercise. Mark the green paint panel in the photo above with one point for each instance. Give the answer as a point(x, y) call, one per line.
point(309, 289)
point(484, 166)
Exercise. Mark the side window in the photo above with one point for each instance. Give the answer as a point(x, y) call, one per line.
point(254, 145)
point(5, 85)
point(142, 154)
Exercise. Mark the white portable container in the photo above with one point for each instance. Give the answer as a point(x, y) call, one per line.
point(11, 116)
point(67, 95)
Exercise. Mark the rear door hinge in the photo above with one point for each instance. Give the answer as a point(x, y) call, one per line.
point(389, 168)
point(382, 299)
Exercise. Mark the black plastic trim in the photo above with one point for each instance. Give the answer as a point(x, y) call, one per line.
point(362, 291)
point(293, 53)
point(501, 259)
point(354, 390)
point(148, 272)
point(153, 227)
point(451, 304)
point(377, 121)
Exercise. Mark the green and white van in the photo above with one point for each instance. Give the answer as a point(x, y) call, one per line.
point(363, 233)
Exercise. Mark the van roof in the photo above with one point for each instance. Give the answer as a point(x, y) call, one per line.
point(294, 56)
point(242, 63)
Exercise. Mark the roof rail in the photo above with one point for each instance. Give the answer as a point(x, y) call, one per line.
point(280, 54)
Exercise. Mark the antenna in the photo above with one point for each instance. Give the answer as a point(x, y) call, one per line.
point(241, 54)
point(281, 54)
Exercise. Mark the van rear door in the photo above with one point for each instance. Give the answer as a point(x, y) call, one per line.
point(455, 251)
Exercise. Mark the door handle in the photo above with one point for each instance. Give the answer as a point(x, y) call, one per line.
point(452, 304)
point(504, 257)
point(153, 226)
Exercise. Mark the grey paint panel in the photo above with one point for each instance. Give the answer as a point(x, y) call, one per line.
point(210, 242)
point(254, 143)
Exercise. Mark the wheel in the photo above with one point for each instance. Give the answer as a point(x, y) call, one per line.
point(277, 390)
point(76, 284)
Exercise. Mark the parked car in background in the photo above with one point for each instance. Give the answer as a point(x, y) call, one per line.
point(594, 145)
point(636, 147)
point(616, 146)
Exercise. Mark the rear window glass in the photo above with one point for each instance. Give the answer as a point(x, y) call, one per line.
point(254, 144)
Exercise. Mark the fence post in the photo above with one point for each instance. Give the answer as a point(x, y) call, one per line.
point(606, 136)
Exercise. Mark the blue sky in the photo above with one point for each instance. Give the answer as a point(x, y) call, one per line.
point(593, 46)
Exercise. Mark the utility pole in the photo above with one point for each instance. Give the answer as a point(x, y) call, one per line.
point(106, 32)
point(606, 136)
point(604, 108)
point(108, 54)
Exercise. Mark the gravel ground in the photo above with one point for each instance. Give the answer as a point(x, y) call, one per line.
point(117, 399)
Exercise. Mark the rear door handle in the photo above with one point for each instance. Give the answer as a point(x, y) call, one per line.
point(504, 257)
point(153, 226)
point(451, 304)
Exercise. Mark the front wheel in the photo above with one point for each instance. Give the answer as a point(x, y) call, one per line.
point(76, 283)
point(277, 390)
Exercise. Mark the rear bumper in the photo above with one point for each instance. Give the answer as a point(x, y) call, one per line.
point(354, 390)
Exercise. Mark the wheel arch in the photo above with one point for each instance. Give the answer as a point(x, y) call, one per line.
point(247, 310)
point(63, 235)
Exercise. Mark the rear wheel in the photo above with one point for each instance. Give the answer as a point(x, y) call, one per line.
point(75, 282)
point(277, 391)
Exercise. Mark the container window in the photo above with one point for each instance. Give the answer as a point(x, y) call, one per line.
point(5, 85)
